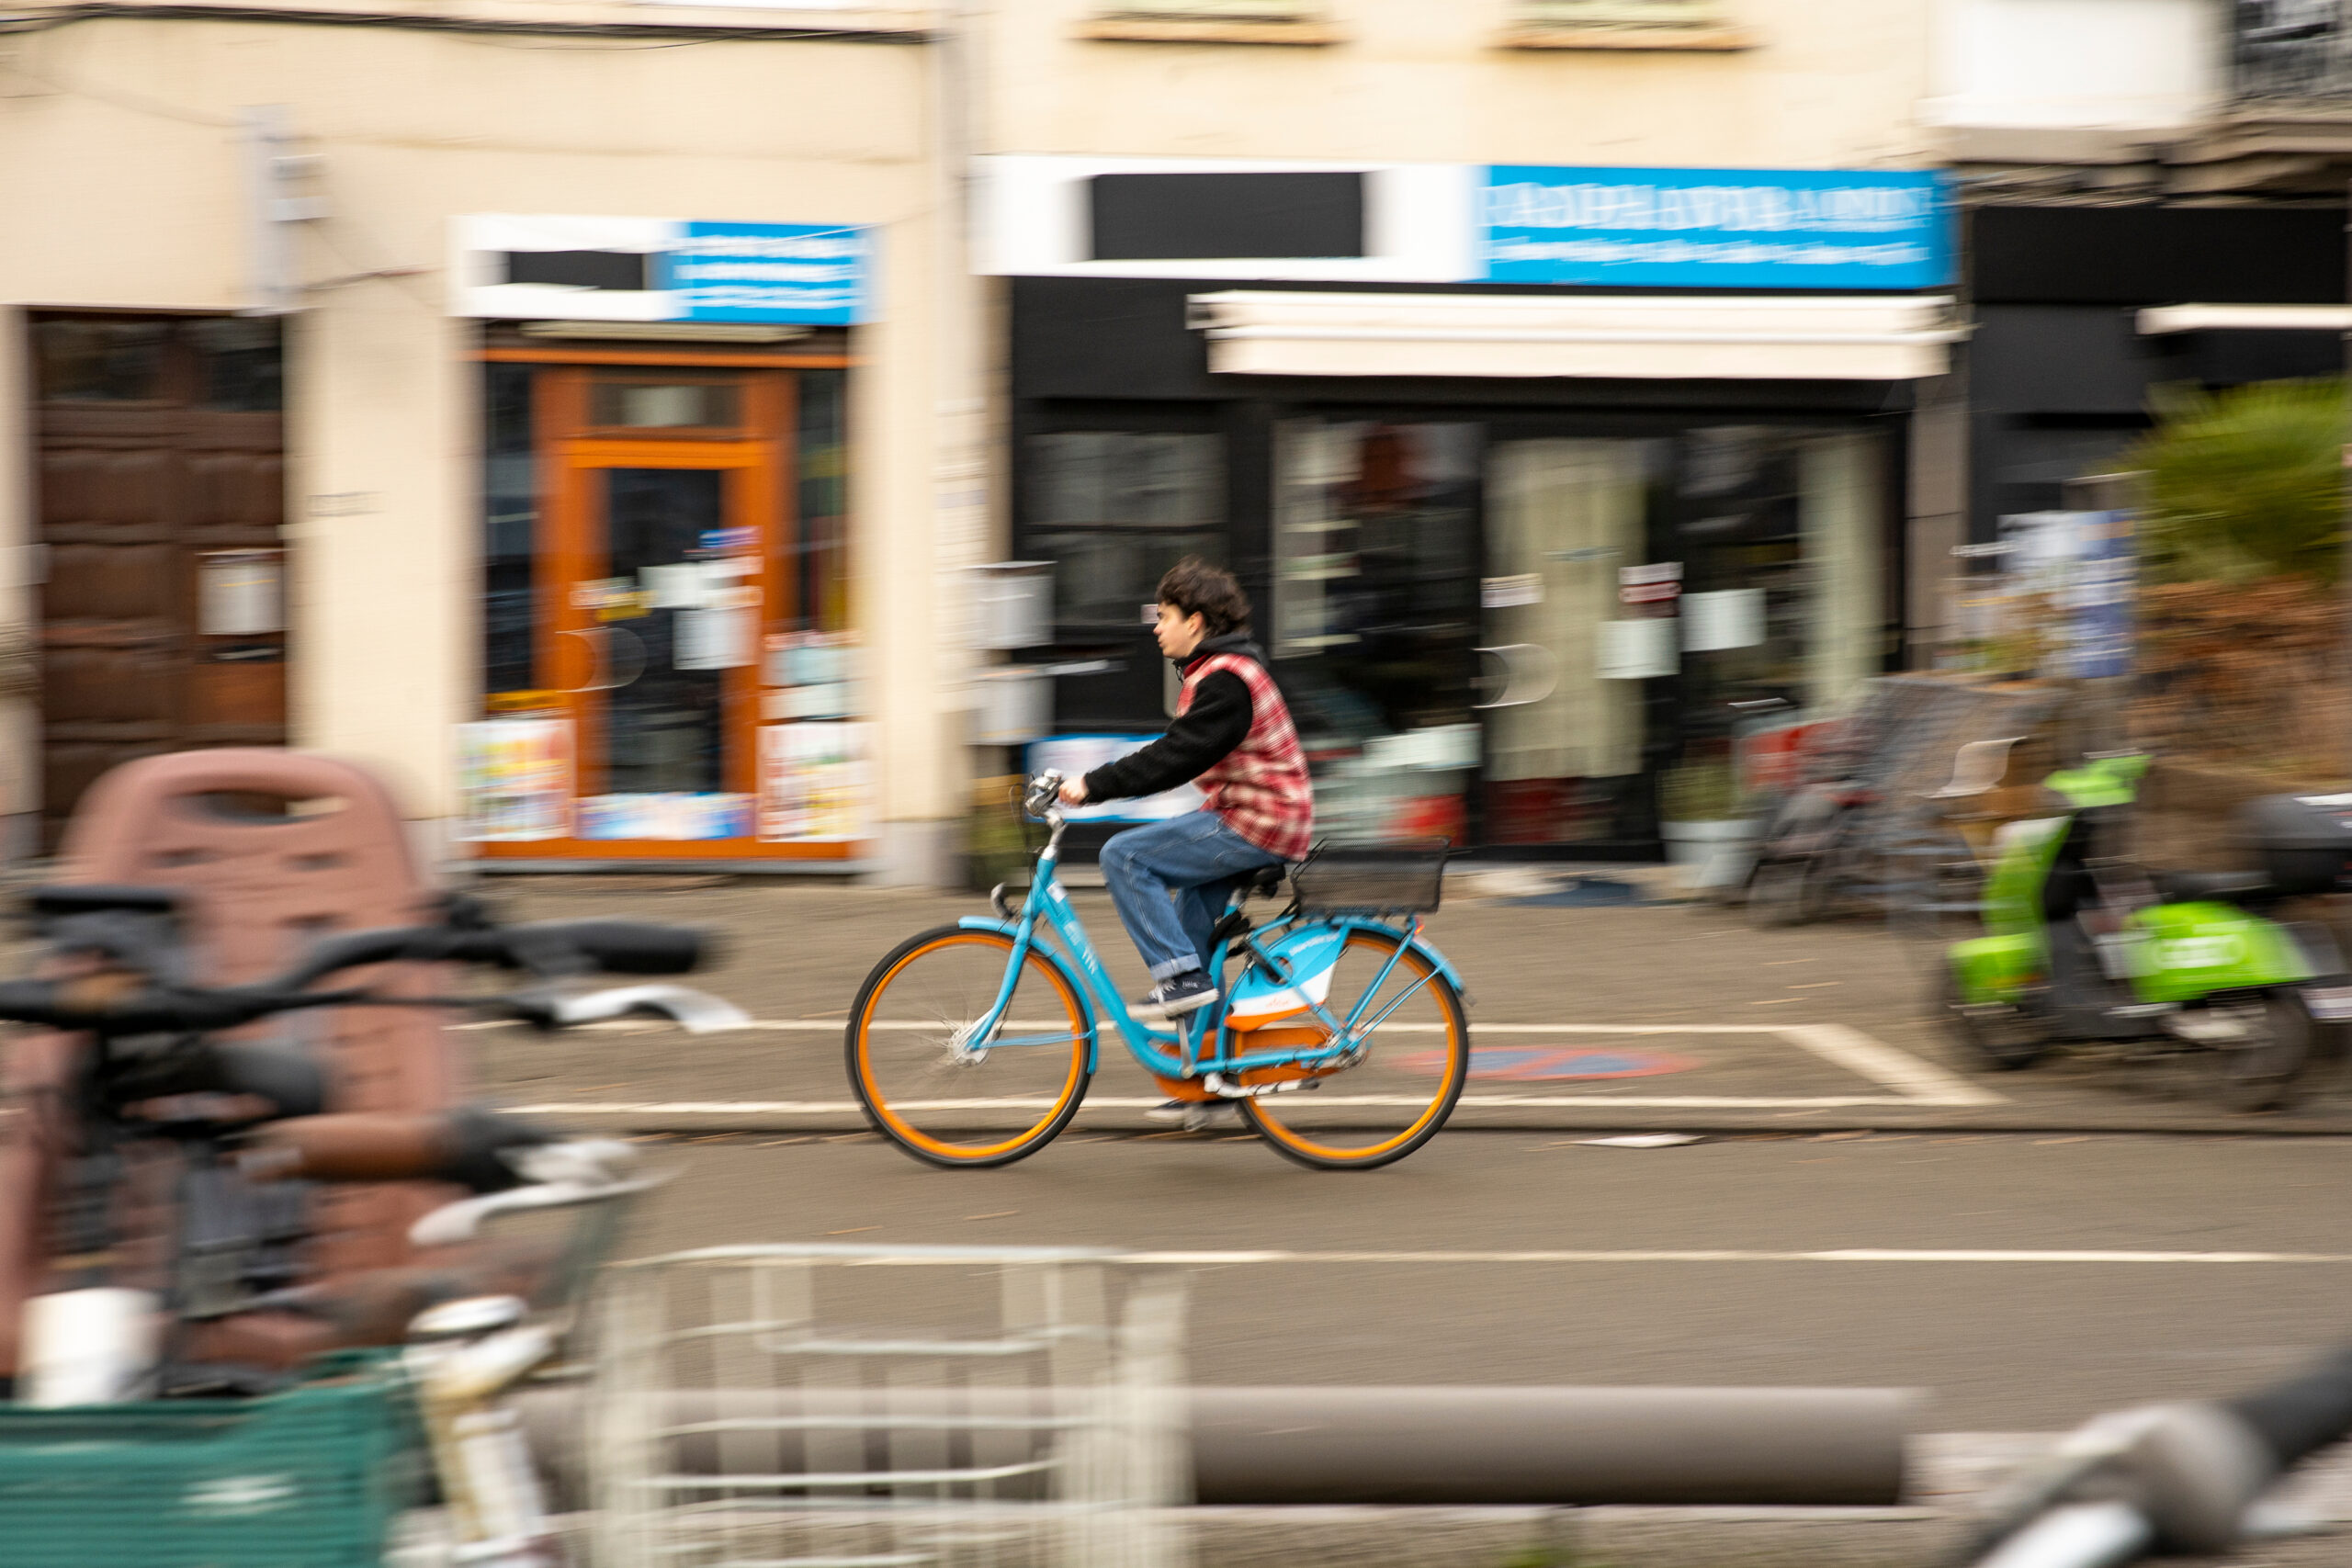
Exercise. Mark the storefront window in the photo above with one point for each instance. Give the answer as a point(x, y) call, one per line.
point(98, 359)
point(241, 364)
point(223, 364)
point(1375, 619)
point(1113, 510)
point(510, 516)
point(821, 539)
point(1515, 637)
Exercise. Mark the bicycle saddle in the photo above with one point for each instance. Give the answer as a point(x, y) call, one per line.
point(1266, 880)
point(2219, 887)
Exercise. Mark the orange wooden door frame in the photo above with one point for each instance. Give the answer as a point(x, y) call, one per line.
point(758, 459)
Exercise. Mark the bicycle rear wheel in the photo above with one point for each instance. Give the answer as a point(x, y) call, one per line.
point(1399, 1093)
point(943, 1096)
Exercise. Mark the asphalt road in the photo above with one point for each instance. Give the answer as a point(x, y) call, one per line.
point(2002, 1343)
point(1435, 1285)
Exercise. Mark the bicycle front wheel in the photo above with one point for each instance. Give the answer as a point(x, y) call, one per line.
point(1400, 1090)
point(933, 1084)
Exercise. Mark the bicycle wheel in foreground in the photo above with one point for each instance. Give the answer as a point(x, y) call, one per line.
point(1400, 1094)
point(939, 1093)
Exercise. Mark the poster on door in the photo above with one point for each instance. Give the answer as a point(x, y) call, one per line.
point(515, 780)
point(816, 783)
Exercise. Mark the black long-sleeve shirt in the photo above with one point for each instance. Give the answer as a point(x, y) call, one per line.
point(1206, 734)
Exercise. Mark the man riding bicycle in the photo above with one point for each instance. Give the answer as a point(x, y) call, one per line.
point(1233, 738)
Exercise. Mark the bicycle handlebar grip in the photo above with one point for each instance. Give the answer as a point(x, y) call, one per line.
point(349, 1146)
point(2304, 1414)
point(466, 1145)
point(631, 947)
point(30, 1001)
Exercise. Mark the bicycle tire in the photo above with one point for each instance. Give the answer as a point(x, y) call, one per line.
point(1266, 1115)
point(865, 1045)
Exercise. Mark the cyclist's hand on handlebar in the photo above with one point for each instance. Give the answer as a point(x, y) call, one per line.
point(1073, 791)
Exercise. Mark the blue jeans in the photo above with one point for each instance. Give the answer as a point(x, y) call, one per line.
point(1171, 881)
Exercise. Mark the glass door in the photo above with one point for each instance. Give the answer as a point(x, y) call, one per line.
point(669, 534)
point(1564, 660)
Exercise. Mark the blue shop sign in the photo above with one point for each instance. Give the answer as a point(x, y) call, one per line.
point(1715, 227)
point(767, 271)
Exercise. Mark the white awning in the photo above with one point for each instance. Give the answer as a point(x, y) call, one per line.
point(1697, 337)
point(2160, 319)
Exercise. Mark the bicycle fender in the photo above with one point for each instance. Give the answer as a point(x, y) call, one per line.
point(1444, 964)
point(1078, 988)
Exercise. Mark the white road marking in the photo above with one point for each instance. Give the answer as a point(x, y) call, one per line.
point(1917, 1080)
point(1833, 1255)
point(1121, 1103)
point(1913, 1080)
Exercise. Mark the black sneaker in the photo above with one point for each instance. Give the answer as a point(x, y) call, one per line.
point(1175, 996)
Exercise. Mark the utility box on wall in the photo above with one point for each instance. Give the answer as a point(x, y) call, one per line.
point(1015, 706)
point(1013, 604)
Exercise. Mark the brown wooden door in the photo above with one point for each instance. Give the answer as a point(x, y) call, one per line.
point(161, 487)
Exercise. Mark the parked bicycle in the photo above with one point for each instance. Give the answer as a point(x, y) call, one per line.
point(199, 1291)
point(1343, 1038)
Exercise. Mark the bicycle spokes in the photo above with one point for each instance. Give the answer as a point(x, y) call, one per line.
point(1393, 1089)
point(947, 1072)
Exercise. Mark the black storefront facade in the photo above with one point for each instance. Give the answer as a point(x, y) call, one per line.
point(2060, 368)
point(1453, 572)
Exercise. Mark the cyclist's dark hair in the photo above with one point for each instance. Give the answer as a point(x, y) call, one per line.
point(1196, 588)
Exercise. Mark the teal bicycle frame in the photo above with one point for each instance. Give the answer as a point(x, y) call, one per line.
point(1048, 925)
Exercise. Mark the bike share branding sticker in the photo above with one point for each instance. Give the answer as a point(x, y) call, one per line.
point(2329, 1004)
point(2200, 952)
point(238, 1495)
point(1309, 958)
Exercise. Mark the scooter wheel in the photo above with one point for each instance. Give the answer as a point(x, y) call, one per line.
point(1989, 1042)
point(2266, 1071)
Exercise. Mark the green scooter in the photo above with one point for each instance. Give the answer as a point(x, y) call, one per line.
point(2084, 948)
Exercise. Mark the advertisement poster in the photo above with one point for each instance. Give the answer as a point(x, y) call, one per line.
point(816, 783)
point(515, 780)
point(1073, 755)
point(2083, 565)
point(676, 816)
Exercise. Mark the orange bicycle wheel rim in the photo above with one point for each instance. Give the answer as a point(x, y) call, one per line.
point(1438, 1055)
point(895, 1122)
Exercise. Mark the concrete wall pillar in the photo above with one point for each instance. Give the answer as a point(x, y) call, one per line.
point(386, 611)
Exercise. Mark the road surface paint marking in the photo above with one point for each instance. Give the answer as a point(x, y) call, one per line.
point(1915, 1079)
point(1916, 1082)
point(1835, 1255)
point(1114, 1102)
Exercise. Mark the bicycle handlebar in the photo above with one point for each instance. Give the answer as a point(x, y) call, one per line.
point(126, 1003)
point(2176, 1478)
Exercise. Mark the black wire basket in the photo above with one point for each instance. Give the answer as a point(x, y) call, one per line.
point(1394, 878)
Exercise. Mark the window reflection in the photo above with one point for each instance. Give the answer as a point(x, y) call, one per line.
point(1113, 510)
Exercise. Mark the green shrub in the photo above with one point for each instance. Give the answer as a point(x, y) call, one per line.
point(2244, 483)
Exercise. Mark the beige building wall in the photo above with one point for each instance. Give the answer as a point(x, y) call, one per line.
point(120, 150)
point(1825, 83)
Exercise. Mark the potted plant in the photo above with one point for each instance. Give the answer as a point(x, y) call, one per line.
point(1700, 818)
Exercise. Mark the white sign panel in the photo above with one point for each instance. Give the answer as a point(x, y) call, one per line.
point(1639, 651)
